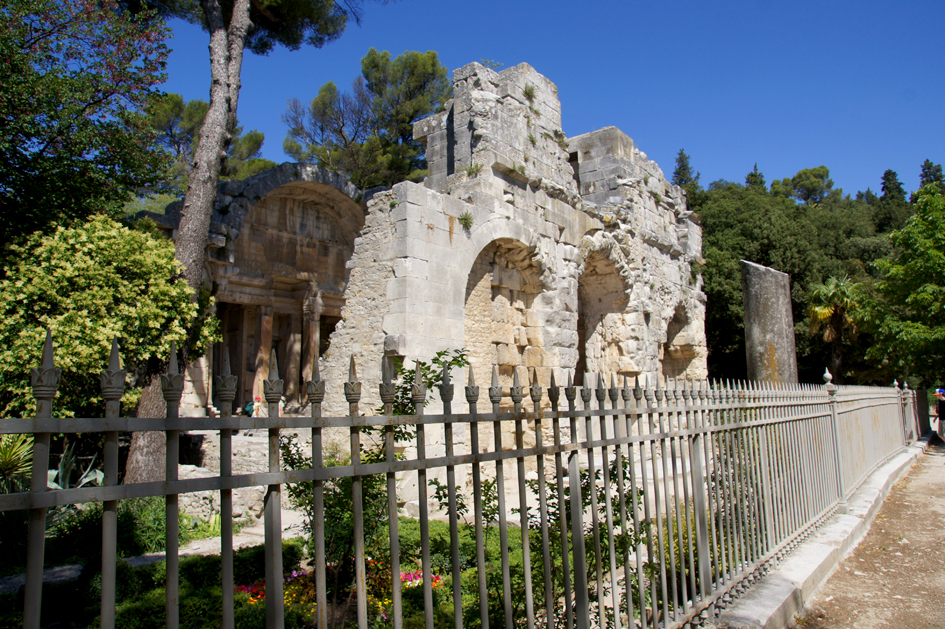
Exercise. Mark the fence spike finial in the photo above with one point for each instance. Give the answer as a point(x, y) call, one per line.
point(172, 367)
point(273, 365)
point(613, 381)
point(495, 376)
point(553, 384)
point(227, 368)
point(316, 377)
point(515, 382)
point(114, 359)
point(828, 378)
point(446, 375)
point(47, 362)
point(385, 370)
point(472, 376)
point(352, 370)
point(570, 380)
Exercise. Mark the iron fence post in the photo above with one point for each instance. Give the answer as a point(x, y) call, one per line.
point(842, 506)
point(225, 386)
point(113, 387)
point(172, 387)
point(273, 388)
point(316, 394)
point(45, 382)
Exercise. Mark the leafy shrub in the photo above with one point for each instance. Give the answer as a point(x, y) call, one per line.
point(89, 283)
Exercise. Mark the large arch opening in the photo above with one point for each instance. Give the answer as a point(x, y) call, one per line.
point(608, 338)
point(501, 325)
point(678, 352)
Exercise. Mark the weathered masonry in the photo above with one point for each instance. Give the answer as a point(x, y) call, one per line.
point(528, 248)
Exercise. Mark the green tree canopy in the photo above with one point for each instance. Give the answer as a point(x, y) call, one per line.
point(685, 177)
point(892, 210)
point(831, 309)
point(89, 283)
point(368, 132)
point(809, 242)
point(74, 139)
point(930, 173)
point(908, 314)
point(810, 185)
point(756, 180)
point(177, 124)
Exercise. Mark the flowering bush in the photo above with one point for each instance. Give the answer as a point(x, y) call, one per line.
point(298, 593)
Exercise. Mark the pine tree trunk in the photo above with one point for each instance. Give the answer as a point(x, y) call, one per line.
point(226, 59)
point(147, 452)
point(146, 455)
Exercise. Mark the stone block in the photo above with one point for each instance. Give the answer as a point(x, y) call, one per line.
point(534, 357)
point(395, 344)
point(502, 333)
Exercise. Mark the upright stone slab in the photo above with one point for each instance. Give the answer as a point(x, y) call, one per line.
point(769, 324)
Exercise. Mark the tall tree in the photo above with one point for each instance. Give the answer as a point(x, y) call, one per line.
point(368, 132)
point(893, 192)
point(908, 315)
point(831, 309)
point(755, 180)
point(930, 173)
point(74, 140)
point(892, 210)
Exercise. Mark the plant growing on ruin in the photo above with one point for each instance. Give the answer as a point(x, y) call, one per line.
point(466, 220)
point(532, 139)
point(529, 93)
point(473, 169)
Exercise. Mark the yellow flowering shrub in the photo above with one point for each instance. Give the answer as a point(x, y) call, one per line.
point(89, 283)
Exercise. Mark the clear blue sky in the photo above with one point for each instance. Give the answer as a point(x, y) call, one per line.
point(858, 86)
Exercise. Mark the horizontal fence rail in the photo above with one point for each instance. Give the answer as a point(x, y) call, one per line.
point(619, 504)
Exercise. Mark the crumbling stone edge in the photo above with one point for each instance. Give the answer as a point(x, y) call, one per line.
point(774, 602)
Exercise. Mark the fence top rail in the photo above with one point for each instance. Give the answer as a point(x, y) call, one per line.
point(646, 395)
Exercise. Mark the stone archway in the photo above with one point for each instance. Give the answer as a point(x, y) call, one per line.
point(678, 352)
point(501, 326)
point(609, 337)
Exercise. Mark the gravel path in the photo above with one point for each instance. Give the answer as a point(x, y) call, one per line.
point(895, 579)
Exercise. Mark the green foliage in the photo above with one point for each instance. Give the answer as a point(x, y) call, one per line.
point(756, 180)
point(907, 314)
point(368, 134)
point(489, 63)
point(473, 169)
point(88, 284)
point(810, 185)
point(466, 220)
point(177, 125)
point(430, 374)
point(529, 93)
point(683, 174)
point(836, 237)
point(832, 307)
point(77, 77)
point(16, 460)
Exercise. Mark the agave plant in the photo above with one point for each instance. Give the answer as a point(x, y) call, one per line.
point(62, 477)
point(16, 459)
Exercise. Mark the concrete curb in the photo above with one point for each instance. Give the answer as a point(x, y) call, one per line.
point(775, 600)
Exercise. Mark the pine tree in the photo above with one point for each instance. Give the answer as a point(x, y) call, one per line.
point(893, 192)
point(756, 180)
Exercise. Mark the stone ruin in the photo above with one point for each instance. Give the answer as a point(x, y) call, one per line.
point(528, 248)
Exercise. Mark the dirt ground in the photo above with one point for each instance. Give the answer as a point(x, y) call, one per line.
point(895, 579)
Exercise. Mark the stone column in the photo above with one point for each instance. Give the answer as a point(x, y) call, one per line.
point(245, 353)
point(311, 331)
point(769, 324)
point(293, 357)
point(263, 348)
